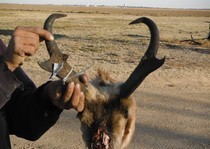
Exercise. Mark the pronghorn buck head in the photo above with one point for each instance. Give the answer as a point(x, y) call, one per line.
point(108, 120)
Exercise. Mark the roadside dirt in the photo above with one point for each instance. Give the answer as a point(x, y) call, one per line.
point(173, 102)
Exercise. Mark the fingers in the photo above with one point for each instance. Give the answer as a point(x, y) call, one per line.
point(73, 103)
point(84, 78)
point(69, 92)
point(81, 104)
point(27, 39)
point(72, 97)
point(39, 31)
point(24, 42)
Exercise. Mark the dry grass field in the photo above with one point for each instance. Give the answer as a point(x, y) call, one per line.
point(173, 102)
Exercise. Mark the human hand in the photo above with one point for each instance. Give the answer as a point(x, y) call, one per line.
point(67, 96)
point(24, 42)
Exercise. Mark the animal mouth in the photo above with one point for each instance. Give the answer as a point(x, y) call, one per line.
point(100, 140)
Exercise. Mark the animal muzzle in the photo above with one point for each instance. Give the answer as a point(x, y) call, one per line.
point(101, 140)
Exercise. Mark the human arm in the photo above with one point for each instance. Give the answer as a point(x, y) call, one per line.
point(25, 42)
point(32, 111)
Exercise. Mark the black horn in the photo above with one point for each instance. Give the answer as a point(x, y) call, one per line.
point(56, 55)
point(48, 26)
point(148, 63)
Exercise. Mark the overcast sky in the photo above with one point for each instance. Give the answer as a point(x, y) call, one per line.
point(146, 3)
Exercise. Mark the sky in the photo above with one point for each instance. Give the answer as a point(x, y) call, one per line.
point(198, 4)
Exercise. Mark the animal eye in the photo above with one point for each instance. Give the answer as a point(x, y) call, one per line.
point(105, 84)
point(126, 113)
point(102, 83)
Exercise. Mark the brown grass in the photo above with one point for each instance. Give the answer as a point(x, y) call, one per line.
point(174, 24)
point(109, 10)
point(95, 31)
point(173, 102)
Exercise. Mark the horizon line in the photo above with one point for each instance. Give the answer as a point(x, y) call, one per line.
point(122, 6)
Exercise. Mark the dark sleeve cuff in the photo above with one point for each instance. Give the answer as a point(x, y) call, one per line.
point(46, 103)
point(8, 83)
point(30, 113)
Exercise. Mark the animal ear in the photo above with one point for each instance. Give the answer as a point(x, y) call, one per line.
point(105, 77)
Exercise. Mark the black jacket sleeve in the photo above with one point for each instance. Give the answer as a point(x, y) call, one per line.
point(8, 83)
point(30, 112)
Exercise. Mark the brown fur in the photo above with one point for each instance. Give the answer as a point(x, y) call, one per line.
point(104, 109)
point(108, 122)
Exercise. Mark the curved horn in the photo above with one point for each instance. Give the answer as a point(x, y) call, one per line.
point(148, 63)
point(56, 55)
point(52, 45)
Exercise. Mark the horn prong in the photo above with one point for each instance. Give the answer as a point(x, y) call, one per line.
point(148, 63)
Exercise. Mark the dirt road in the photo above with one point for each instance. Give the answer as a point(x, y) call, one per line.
point(173, 106)
point(173, 103)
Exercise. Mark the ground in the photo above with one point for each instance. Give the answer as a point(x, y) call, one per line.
point(173, 103)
